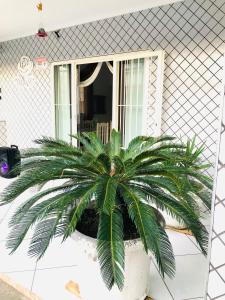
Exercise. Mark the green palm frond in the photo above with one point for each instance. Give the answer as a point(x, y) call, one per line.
point(95, 142)
point(153, 175)
point(106, 193)
point(153, 236)
point(24, 208)
point(84, 199)
point(118, 165)
point(105, 161)
point(206, 197)
point(114, 146)
point(49, 144)
point(43, 234)
point(137, 213)
point(38, 212)
point(32, 178)
point(182, 212)
point(91, 143)
point(142, 144)
point(110, 247)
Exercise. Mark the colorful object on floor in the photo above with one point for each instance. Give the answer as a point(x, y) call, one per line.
point(4, 168)
point(73, 288)
point(9, 159)
point(183, 230)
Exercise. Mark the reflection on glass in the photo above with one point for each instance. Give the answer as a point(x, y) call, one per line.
point(62, 77)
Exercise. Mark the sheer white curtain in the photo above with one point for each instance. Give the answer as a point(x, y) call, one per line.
point(63, 102)
point(92, 76)
point(131, 99)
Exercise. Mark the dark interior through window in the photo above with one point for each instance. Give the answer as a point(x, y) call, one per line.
point(95, 103)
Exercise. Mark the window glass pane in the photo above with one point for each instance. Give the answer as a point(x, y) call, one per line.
point(62, 78)
point(131, 91)
point(95, 100)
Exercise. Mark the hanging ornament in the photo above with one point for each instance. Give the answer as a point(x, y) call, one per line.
point(41, 63)
point(40, 6)
point(41, 31)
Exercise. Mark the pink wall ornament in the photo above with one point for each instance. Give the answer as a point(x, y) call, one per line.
point(41, 63)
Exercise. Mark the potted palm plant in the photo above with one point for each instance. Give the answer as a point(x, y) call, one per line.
point(200, 195)
point(109, 199)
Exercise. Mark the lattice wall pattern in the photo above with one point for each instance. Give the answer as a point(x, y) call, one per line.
point(216, 285)
point(3, 134)
point(191, 32)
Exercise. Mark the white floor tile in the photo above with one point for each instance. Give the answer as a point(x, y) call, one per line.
point(4, 229)
point(181, 244)
point(4, 225)
point(50, 284)
point(51, 277)
point(19, 261)
point(190, 278)
point(59, 254)
point(193, 240)
point(4, 211)
point(194, 298)
point(22, 278)
point(157, 290)
point(4, 183)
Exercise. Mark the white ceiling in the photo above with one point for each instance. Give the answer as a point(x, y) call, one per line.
point(20, 17)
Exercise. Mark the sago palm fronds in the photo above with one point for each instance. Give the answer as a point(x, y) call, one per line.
point(152, 173)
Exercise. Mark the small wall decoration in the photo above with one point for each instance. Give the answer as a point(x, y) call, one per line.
point(25, 66)
point(25, 75)
point(41, 63)
point(41, 31)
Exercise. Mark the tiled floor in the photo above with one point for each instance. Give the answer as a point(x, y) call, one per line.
point(48, 277)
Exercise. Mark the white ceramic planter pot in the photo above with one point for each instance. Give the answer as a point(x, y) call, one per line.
point(91, 285)
point(170, 221)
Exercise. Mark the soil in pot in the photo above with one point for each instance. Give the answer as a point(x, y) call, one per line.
point(89, 221)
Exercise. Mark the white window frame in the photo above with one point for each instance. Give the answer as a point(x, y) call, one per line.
point(116, 58)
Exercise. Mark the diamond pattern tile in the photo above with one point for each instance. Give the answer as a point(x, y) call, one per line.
point(3, 134)
point(192, 34)
point(216, 285)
